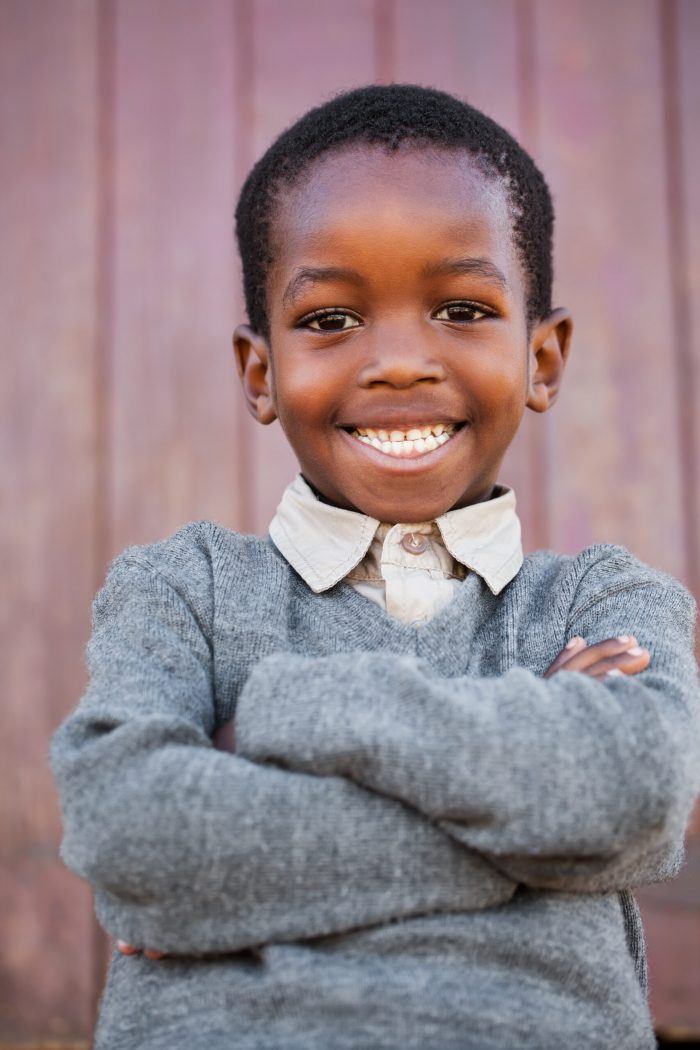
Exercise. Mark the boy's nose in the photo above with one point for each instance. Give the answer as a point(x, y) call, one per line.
point(401, 364)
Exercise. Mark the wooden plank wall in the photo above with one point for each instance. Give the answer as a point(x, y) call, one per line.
point(127, 128)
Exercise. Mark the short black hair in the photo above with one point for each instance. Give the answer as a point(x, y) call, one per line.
point(390, 114)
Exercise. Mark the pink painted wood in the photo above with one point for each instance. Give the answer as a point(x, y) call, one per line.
point(672, 911)
point(48, 525)
point(615, 466)
point(174, 398)
point(683, 105)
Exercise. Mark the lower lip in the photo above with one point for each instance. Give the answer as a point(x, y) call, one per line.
point(410, 463)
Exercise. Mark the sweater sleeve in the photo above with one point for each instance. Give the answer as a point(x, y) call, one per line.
point(193, 850)
point(567, 782)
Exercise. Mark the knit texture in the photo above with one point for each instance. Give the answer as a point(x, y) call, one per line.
point(420, 842)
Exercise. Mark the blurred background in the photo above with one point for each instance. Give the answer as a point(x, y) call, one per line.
point(127, 128)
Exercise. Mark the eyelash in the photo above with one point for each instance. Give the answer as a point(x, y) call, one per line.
point(305, 322)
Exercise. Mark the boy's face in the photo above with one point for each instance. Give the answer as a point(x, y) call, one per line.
point(397, 303)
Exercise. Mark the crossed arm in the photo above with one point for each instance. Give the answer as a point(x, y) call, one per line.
point(572, 781)
point(191, 850)
point(612, 656)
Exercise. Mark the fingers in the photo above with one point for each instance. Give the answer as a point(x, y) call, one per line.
point(619, 655)
point(573, 646)
point(629, 662)
point(129, 949)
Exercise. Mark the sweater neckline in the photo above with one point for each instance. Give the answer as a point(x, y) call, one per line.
point(362, 622)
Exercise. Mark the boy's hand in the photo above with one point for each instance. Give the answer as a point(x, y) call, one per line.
point(614, 656)
point(224, 738)
point(128, 949)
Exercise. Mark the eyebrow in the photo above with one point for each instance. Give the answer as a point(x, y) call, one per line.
point(444, 268)
point(317, 275)
point(477, 267)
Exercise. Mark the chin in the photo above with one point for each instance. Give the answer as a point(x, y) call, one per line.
point(406, 511)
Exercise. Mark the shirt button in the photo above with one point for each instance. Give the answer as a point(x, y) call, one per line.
point(414, 543)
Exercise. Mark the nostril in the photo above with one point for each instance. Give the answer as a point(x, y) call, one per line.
point(401, 370)
point(399, 384)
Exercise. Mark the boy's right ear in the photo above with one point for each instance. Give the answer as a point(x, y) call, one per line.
point(254, 365)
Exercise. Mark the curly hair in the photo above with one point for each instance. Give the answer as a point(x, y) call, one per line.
point(391, 114)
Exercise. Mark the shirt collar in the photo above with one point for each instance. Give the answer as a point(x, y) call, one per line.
point(323, 543)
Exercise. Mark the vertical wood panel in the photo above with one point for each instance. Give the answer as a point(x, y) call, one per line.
point(684, 69)
point(616, 475)
point(618, 463)
point(48, 210)
point(672, 912)
point(303, 54)
point(466, 47)
point(476, 51)
point(175, 404)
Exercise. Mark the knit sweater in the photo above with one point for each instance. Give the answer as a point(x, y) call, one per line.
point(420, 842)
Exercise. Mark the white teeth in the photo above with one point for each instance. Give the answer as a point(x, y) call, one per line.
point(412, 434)
point(406, 443)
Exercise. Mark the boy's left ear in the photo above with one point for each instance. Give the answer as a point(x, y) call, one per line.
point(548, 352)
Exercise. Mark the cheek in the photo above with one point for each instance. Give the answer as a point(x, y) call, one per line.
point(498, 387)
point(307, 390)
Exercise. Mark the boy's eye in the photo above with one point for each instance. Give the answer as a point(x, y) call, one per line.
point(462, 311)
point(329, 321)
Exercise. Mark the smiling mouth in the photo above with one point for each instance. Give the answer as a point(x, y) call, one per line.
point(412, 442)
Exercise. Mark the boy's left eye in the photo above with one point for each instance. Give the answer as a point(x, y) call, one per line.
point(462, 311)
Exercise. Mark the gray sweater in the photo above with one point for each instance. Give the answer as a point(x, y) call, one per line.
point(420, 841)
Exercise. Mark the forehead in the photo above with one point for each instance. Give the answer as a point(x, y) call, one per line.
point(418, 201)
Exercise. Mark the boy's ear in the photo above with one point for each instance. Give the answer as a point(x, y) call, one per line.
point(548, 352)
point(254, 364)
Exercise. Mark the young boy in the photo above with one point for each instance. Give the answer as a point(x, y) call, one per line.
point(424, 833)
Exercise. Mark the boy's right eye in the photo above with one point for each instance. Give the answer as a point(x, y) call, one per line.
point(329, 321)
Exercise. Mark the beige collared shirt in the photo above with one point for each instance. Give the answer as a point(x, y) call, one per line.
point(410, 570)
